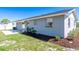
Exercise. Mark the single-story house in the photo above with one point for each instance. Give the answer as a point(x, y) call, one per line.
point(51, 24)
point(7, 26)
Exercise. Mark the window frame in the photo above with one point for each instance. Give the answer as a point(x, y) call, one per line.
point(49, 24)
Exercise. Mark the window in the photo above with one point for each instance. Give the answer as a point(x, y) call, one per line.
point(49, 22)
point(69, 22)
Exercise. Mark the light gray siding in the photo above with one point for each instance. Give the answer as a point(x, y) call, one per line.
point(20, 27)
point(59, 26)
point(57, 29)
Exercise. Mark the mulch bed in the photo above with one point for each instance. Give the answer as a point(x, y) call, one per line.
point(38, 36)
point(69, 44)
point(62, 42)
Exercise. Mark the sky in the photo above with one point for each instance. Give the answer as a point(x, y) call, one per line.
point(18, 13)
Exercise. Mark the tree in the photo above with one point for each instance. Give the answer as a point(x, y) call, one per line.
point(5, 21)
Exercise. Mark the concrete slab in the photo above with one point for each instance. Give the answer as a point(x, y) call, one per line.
point(9, 32)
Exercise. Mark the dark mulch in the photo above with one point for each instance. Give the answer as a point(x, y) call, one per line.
point(38, 36)
point(62, 42)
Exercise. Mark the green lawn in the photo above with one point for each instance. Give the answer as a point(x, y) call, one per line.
point(20, 42)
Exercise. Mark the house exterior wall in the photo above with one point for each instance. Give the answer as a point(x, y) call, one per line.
point(14, 24)
point(6, 26)
point(60, 25)
point(72, 24)
point(20, 27)
point(57, 29)
point(9, 26)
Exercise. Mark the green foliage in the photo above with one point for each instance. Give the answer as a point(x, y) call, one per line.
point(32, 30)
point(72, 34)
point(57, 38)
point(28, 29)
point(77, 24)
point(5, 21)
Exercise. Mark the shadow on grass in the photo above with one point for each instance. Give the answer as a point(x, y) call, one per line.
point(38, 36)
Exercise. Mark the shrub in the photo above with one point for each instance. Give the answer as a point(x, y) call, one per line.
point(77, 24)
point(72, 34)
point(57, 38)
point(28, 29)
point(70, 38)
point(33, 30)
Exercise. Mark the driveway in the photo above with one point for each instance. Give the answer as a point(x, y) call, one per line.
point(9, 32)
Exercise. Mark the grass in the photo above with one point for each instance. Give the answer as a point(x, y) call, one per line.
point(25, 43)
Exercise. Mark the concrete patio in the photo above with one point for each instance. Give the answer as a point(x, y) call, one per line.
point(9, 32)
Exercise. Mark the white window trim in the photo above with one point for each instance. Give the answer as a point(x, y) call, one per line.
point(49, 20)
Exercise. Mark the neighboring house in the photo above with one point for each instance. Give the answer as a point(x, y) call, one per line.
point(6, 26)
point(51, 24)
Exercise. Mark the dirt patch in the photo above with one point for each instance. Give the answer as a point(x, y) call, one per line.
point(7, 43)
